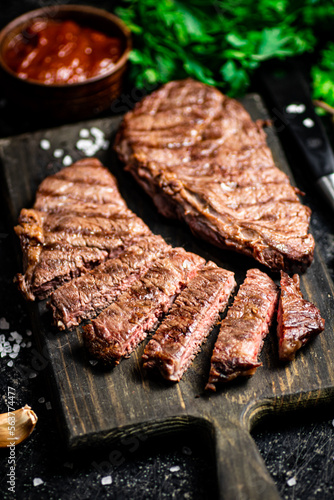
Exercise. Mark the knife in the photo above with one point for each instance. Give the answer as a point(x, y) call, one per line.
point(289, 99)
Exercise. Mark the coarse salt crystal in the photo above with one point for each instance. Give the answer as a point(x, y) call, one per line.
point(4, 325)
point(37, 481)
point(32, 375)
point(16, 336)
point(84, 133)
point(96, 132)
point(58, 153)
point(29, 333)
point(41, 400)
point(292, 481)
point(45, 144)
point(13, 355)
point(10, 363)
point(106, 480)
point(67, 160)
point(175, 468)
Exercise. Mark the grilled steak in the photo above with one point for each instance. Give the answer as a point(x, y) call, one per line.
point(84, 297)
point(243, 330)
point(298, 320)
point(192, 316)
point(77, 222)
point(202, 159)
point(124, 324)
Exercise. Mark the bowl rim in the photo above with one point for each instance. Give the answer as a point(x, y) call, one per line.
point(45, 12)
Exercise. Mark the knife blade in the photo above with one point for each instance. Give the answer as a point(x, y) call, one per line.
point(289, 99)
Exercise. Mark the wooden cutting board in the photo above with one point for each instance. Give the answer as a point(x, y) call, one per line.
point(97, 406)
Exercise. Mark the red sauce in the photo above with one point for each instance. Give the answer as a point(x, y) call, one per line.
point(58, 52)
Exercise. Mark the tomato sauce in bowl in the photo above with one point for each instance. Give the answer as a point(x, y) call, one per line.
point(61, 52)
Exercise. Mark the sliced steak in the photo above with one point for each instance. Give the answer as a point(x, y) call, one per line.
point(195, 311)
point(298, 320)
point(124, 324)
point(208, 164)
point(243, 330)
point(84, 297)
point(78, 221)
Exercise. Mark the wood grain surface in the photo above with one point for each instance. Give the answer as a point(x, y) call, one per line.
point(97, 406)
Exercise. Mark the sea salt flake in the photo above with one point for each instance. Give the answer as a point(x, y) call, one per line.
point(41, 400)
point(29, 344)
point(32, 375)
point(333, 423)
point(13, 355)
point(175, 468)
point(16, 348)
point(29, 333)
point(37, 481)
point(292, 481)
point(45, 144)
point(106, 480)
point(10, 363)
point(58, 153)
point(67, 160)
point(93, 362)
point(4, 325)
point(2, 339)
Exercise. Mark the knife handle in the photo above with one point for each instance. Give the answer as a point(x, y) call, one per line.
point(289, 100)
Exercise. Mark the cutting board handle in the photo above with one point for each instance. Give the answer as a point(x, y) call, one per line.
point(242, 474)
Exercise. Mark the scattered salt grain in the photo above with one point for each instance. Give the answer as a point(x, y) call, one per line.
point(48, 405)
point(333, 423)
point(45, 144)
point(58, 153)
point(37, 481)
point(4, 325)
point(10, 363)
point(67, 160)
point(29, 333)
point(41, 400)
point(29, 344)
point(93, 362)
point(32, 375)
point(175, 468)
point(84, 133)
point(291, 482)
point(106, 480)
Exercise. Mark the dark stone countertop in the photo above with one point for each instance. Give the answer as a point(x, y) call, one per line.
point(298, 449)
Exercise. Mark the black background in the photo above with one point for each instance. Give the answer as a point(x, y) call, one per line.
point(299, 445)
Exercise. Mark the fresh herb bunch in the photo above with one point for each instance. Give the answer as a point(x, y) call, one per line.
point(218, 42)
point(323, 76)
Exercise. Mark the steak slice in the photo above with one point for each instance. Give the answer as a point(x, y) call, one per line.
point(193, 314)
point(124, 324)
point(84, 297)
point(243, 330)
point(59, 244)
point(298, 320)
point(210, 166)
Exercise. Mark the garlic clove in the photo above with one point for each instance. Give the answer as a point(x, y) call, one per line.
point(16, 426)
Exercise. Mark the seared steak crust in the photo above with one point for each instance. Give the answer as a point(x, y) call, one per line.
point(84, 297)
point(243, 330)
point(206, 162)
point(79, 220)
point(124, 324)
point(298, 320)
point(190, 320)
